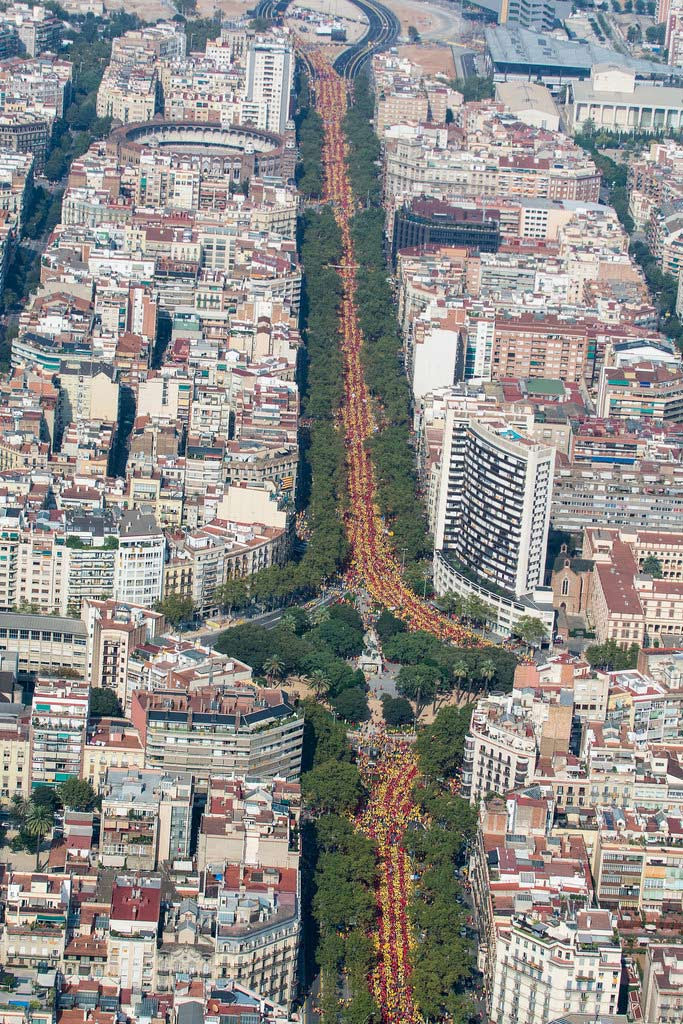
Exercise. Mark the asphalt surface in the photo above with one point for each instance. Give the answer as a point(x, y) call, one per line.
point(383, 31)
point(269, 620)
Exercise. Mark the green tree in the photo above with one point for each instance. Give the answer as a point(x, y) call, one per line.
point(388, 625)
point(324, 738)
point(478, 611)
point(611, 657)
point(232, 594)
point(451, 604)
point(475, 88)
point(487, 672)
point(460, 673)
point(274, 667)
point(352, 705)
point(396, 711)
point(419, 684)
point(37, 823)
point(104, 703)
point(344, 639)
point(530, 631)
point(319, 682)
point(333, 787)
point(653, 567)
point(440, 745)
point(77, 794)
point(45, 796)
point(18, 809)
point(176, 609)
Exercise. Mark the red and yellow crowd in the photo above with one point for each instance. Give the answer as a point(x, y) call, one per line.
point(385, 819)
point(374, 564)
point(376, 569)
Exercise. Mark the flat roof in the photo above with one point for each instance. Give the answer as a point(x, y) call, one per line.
point(511, 45)
point(644, 94)
point(54, 623)
point(544, 386)
point(526, 96)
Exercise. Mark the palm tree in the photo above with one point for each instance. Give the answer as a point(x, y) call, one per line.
point(18, 809)
point(39, 820)
point(274, 667)
point(487, 672)
point(460, 673)
point(288, 622)
point(319, 682)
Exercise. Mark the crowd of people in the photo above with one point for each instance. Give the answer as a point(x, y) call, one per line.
point(376, 570)
point(374, 564)
point(385, 818)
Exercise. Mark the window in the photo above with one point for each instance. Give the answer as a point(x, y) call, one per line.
point(565, 587)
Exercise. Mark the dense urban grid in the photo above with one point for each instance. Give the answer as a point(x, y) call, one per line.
point(341, 518)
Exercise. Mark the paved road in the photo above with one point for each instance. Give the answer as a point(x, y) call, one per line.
point(269, 620)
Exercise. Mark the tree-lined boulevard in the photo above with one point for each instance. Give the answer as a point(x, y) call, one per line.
point(374, 565)
point(412, 924)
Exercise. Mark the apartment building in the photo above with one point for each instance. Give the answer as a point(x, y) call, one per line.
point(146, 818)
point(43, 643)
point(500, 749)
point(59, 718)
point(87, 392)
point(202, 560)
point(25, 131)
point(662, 996)
point(128, 93)
point(641, 391)
point(486, 159)
point(545, 970)
point(134, 919)
point(36, 913)
point(15, 744)
point(139, 569)
point(258, 926)
point(269, 77)
point(249, 821)
point(494, 496)
point(111, 743)
point(647, 494)
point(626, 603)
point(246, 730)
point(114, 631)
point(639, 861)
point(518, 864)
point(541, 345)
point(257, 462)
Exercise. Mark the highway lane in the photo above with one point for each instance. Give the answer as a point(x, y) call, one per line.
point(383, 31)
point(270, 9)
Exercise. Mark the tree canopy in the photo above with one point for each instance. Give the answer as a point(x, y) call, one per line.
point(333, 787)
point(440, 745)
point(653, 567)
point(611, 656)
point(352, 705)
point(396, 711)
point(104, 703)
point(530, 630)
point(305, 654)
point(77, 794)
point(176, 609)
